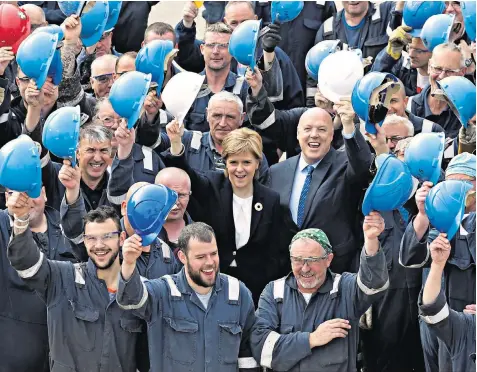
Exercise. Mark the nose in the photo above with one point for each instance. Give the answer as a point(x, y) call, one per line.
point(97, 156)
point(305, 268)
point(449, 8)
point(390, 144)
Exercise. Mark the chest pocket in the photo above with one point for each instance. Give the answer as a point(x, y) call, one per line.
point(331, 356)
point(230, 335)
point(85, 326)
point(180, 340)
point(131, 325)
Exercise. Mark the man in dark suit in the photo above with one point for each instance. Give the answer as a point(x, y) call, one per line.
point(322, 187)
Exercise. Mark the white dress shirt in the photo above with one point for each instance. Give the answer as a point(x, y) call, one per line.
point(242, 209)
point(300, 177)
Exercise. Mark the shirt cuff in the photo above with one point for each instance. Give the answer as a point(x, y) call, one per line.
point(348, 136)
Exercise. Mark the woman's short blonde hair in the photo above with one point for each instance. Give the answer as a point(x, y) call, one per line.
point(241, 141)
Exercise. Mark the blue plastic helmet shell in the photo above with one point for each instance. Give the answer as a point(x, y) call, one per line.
point(71, 7)
point(93, 22)
point(391, 187)
point(56, 67)
point(424, 155)
point(469, 15)
point(36, 54)
point(318, 53)
point(52, 29)
point(152, 59)
point(147, 210)
point(460, 95)
point(286, 11)
point(243, 43)
point(20, 166)
point(128, 93)
point(416, 13)
point(113, 14)
point(61, 133)
point(369, 104)
point(445, 206)
point(437, 30)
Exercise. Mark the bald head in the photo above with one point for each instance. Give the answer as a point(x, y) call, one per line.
point(178, 180)
point(134, 187)
point(36, 15)
point(170, 176)
point(315, 133)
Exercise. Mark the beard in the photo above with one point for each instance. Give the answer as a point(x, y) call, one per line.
point(197, 279)
point(108, 264)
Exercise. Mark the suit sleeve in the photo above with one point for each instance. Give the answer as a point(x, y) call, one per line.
point(271, 349)
point(359, 159)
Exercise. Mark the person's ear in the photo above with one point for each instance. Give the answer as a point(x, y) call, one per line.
point(122, 238)
point(182, 257)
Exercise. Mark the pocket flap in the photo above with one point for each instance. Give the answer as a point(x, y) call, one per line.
point(232, 328)
point(314, 24)
point(131, 325)
point(182, 325)
point(85, 313)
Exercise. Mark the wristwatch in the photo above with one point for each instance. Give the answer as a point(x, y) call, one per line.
point(468, 62)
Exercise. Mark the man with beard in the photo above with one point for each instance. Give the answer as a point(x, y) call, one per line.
point(87, 330)
point(308, 320)
point(206, 317)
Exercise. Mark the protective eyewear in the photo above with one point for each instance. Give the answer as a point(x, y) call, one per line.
point(103, 79)
point(92, 239)
point(301, 261)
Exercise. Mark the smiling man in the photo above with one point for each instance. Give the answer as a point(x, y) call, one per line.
point(321, 187)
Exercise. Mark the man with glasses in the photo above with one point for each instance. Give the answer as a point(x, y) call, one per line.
point(86, 327)
point(308, 320)
point(447, 60)
point(102, 75)
point(407, 58)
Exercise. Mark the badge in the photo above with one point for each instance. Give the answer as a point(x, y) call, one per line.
point(258, 207)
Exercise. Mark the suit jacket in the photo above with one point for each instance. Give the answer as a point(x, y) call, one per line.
point(212, 203)
point(337, 186)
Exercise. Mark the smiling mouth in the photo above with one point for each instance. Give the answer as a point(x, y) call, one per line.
point(313, 145)
point(307, 275)
point(95, 165)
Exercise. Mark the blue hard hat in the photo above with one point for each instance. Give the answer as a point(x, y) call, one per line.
point(318, 53)
point(93, 22)
point(20, 166)
point(38, 59)
point(113, 14)
point(436, 30)
point(286, 11)
point(391, 187)
point(147, 210)
point(52, 29)
point(71, 7)
point(424, 154)
point(243, 43)
point(469, 15)
point(416, 13)
point(445, 205)
point(128, 93)
point(460, 94)
point(56, 67)
point(373, 111)
point(152, 59)
point(61, 132)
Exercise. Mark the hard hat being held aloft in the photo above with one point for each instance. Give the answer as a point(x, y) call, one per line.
point(36, 58)
point(56, 67)
point(338, 74)
point(469, 15)
point(113, 14)
point(286, 11)
point(424, 155)
point(61, 133)
point(20, 166)
point(94, 16)
point(147, 210)
point(445, 205)
point(180, 93)
point(437, 30)
point(372, 96)
point(391, 187)
point(416, 13)
point(318, 53)
point(14, 26)
point(459, 93)
point(128, 93)
point(243, 43)
point(153, 58)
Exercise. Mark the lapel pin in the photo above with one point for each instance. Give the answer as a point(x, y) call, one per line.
point(258, 207)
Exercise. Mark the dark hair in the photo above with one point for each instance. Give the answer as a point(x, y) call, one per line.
point(160, 28)
point(101, 214)
point(131, 55)
point(197, 230)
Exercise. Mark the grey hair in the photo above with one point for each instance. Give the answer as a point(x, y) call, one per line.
point(450, 47)
point(96, 133)
point(229, 97)
point(394, 119)
point(232, 3)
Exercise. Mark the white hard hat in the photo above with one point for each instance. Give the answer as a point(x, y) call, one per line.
point(339, 73)
point(180, 93)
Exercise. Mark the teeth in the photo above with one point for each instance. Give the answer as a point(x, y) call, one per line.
point(208, 271)
point(96, 165)
point(306, 275)
point(314, 144)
